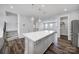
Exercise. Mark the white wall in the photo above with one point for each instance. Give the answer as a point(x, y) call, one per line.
point(2, 19)
point(11, 22)
point(41, 26)
point(1, 22)
point(21, 23)
point(25, 25)
point(71, 16)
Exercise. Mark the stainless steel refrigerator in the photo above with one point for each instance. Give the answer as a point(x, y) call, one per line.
point(75, 32)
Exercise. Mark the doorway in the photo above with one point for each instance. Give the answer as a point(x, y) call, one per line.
point(64, 27)
point(11, 24)
point(50, 26)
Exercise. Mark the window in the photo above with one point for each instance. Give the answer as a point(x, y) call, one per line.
point(51, 25)
point(46, 25)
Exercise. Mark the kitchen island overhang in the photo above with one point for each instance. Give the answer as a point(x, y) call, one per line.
point(38, 42)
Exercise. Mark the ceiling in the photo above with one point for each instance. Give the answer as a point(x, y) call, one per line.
point(39, 10)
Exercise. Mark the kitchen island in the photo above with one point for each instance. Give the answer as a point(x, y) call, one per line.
point(38, 42)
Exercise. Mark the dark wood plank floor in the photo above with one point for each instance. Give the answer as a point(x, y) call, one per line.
point(64, 47)
point(15, 46)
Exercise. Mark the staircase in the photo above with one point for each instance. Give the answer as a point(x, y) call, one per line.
point(6, 35)
point(10, 34)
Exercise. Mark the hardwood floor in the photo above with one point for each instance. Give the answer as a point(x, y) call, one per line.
point(64, 37)
point(15, 46)
point(64, 47)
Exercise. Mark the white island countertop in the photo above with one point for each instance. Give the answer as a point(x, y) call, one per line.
point(35, 36)
point(38, 42)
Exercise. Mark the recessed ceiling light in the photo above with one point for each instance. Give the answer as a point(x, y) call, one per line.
point(11, 7)
point(32, 19)
point(65, 9)
point(39, 20)
point(42, 5)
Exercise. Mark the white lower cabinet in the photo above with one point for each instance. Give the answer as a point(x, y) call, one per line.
point(39, 46)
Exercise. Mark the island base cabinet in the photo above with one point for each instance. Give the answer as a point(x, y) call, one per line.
point(40, 46)
point(29, 46)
